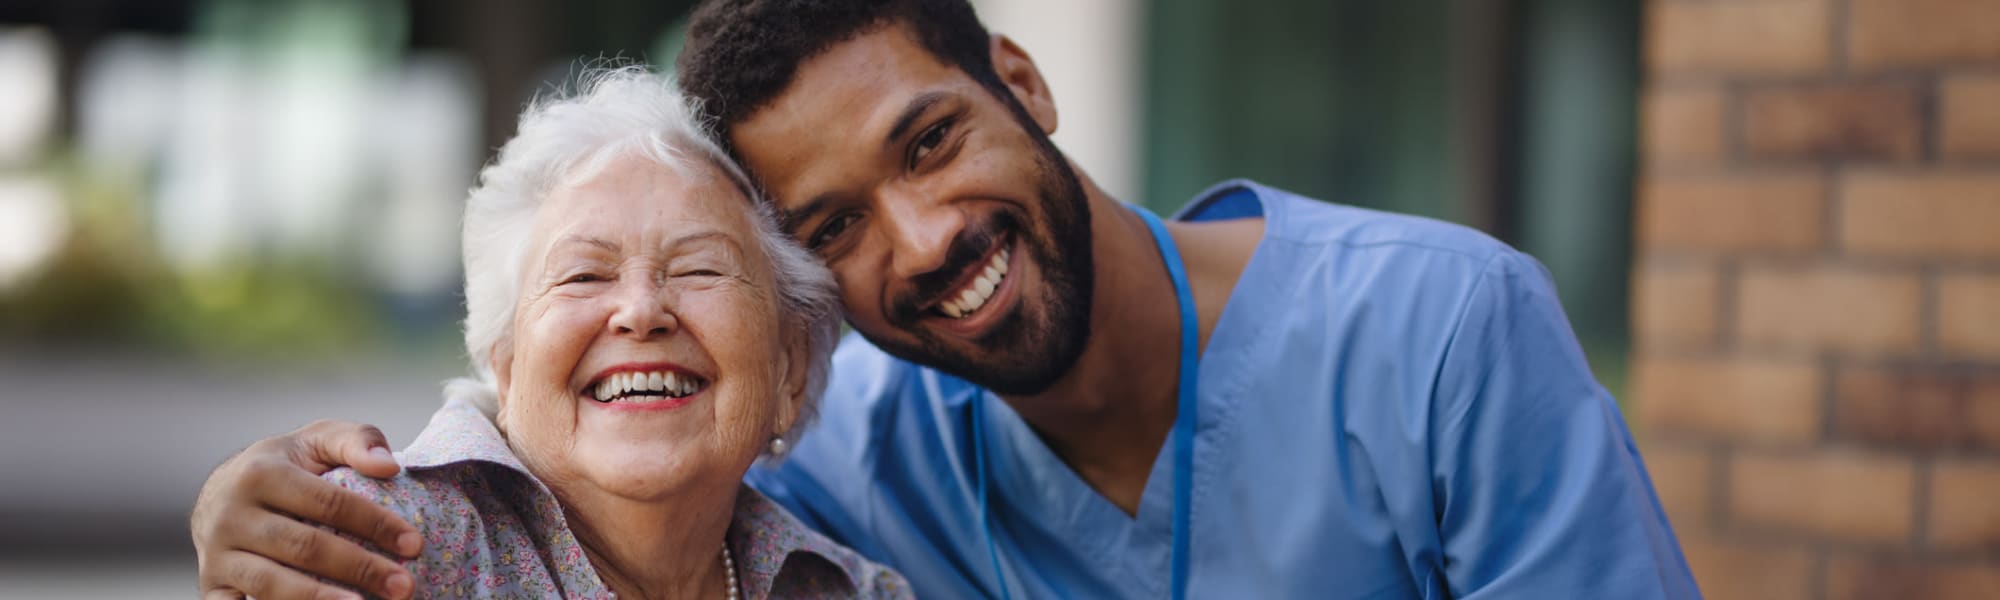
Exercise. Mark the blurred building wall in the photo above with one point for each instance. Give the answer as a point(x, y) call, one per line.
point(1513, 117)
point(1088, 52)
point(1816, 308)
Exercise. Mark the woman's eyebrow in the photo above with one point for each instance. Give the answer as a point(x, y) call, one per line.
point(604, 244)
point(705, 235)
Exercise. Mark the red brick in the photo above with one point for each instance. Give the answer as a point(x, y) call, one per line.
point(1684, 126)
point(1684, 477)
point(1919, 407)
point(1675, 306)
point(1743, 399)
point(1909, 33)
point(1858, 578)
point(1730, 570)
point(1969, 314)
point(1837, 494)
point(1846, 121)
point(1969, 109)
point(1983, 417)
point(1965, 504)
point(1752, 36)
point(1734, 213)
point(1829, 307)
point(1928, 214)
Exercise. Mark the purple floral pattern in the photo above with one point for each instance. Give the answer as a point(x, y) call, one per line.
point(491, 530)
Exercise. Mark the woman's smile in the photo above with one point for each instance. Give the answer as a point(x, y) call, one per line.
point(645, 386)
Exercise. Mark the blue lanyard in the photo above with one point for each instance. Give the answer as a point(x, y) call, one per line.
point(1184, 421)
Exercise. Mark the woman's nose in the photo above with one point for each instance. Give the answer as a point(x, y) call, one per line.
point(644, 309)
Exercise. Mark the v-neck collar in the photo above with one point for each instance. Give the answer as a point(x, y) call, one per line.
point(1027, 473)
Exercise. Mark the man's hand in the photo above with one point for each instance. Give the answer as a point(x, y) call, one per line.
point(246, 540)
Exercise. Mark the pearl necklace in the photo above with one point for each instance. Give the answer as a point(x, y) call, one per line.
point(729, 571)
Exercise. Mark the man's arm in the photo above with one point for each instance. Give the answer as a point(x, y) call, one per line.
point(248, 538)
point(1540, 490)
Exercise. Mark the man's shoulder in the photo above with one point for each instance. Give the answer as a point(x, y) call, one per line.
point(866, 378)
point(862, 370)
point(1314, 228)
point(1325, 269)
point(1348, 254)
point(1340, 227)
point(872, 398)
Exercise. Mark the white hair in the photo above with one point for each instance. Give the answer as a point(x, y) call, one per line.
point(569, 138)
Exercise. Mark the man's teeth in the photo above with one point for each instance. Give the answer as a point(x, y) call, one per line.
point(649, 384)
point(975, 294)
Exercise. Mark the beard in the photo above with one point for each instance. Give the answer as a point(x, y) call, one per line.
point(1027, 350)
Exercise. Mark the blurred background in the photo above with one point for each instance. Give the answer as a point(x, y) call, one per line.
point(222, 219)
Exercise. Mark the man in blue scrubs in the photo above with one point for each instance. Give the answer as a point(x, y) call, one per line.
point(1052, 394)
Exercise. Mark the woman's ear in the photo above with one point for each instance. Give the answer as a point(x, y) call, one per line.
point(1018, 71)
point(792, 389)
point(501, 361)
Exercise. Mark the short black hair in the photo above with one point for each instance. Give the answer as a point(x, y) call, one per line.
point(740, 54)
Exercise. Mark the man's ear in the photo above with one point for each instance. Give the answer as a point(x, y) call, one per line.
point(1018, 71)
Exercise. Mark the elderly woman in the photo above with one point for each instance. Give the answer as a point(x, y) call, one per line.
point(641, 334)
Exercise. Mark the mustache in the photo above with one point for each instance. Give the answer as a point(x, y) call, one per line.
point(967, 250)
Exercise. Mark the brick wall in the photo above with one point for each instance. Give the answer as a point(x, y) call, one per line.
point(1816, 304)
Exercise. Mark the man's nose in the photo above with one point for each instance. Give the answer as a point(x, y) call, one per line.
point(920, 229)
point(644, 308)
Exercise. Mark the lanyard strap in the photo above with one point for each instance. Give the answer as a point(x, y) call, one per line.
point(1184, 421)
point(985, 511)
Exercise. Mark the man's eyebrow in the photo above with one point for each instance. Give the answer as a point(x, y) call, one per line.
point(789, 220)
point(911, 112)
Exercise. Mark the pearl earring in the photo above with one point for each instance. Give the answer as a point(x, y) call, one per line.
point(778, 447)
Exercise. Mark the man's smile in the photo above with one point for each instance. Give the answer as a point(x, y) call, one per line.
point(977, 286)
point(984, 295)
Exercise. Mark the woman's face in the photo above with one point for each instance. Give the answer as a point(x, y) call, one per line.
point(647, 356)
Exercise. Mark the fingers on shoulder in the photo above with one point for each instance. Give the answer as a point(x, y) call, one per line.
point(342, 437)
point(378, 490)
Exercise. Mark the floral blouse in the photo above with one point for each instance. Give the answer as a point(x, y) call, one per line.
point(491, 530)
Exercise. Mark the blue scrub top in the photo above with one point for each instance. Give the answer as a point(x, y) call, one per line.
point(1390, 407)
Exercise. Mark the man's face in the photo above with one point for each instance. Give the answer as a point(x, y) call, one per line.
point(958, 233)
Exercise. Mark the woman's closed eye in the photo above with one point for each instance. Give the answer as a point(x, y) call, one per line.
point(584, 277)
point(712, 262)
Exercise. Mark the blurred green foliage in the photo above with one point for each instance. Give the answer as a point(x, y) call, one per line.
point(108, 286)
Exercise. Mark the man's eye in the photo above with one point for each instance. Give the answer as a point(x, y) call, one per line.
point(584, 278)
point(831, 230)
point(698, 273)
point(930, 141)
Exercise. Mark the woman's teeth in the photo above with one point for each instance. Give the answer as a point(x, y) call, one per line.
point(979, 290)
point(637, 386)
